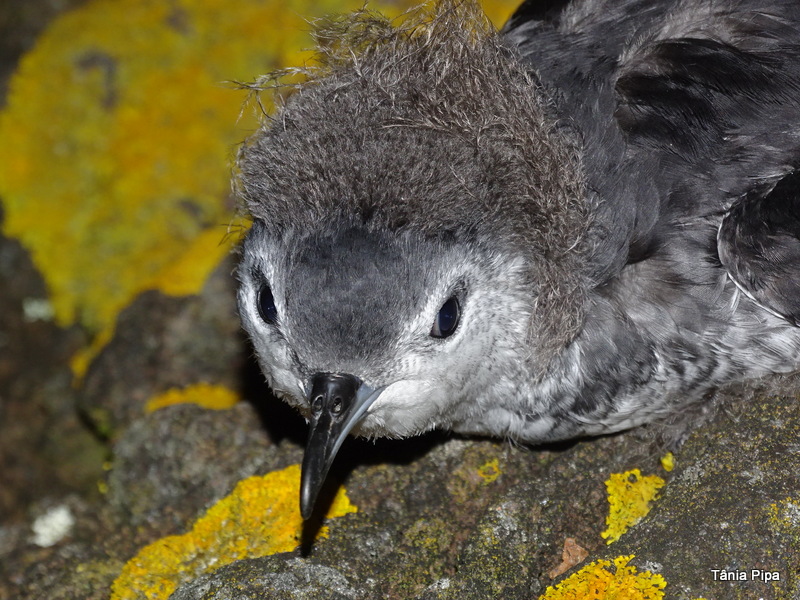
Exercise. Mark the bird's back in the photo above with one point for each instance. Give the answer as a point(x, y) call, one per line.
point(689, 114)
point(683, 106)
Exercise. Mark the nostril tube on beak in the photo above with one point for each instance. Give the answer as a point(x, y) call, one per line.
point(338, 402)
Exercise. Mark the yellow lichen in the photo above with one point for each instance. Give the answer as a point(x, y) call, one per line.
point(785, 515)
point(490, 470)
point(214, 397)
point(260, 517)
point(599, 581)
point(116, 136)
point(668, 462)
point(80, 361)
point(629, 498)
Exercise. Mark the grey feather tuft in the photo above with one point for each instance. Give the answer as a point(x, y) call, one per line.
point(431, 125)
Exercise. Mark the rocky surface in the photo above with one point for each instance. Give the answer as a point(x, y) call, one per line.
point(88, 476)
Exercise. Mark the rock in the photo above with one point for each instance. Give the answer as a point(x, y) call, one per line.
point(45, 449)
point(276, 577)
point(163, 342)
point(728, 525)
point(171, 464)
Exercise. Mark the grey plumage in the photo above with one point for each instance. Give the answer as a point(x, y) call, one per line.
point(537, 234)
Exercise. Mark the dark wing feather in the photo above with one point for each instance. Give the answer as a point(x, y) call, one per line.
point(759, 245)
point(687, 94)
point(723, 115)
point(685, 109)
point(712, 103)
point(536, 10)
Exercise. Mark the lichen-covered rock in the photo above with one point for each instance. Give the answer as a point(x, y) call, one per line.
point(162, 342)
point(436, 517)
point(175, 461)
point(728, 524)
point(278, 577)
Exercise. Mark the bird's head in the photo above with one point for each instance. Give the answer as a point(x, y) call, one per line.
point(417, 219)
point(388, 333)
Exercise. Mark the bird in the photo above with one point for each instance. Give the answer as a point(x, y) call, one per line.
point(579, 223)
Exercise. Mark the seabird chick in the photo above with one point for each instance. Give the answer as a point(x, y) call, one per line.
point(570, 227)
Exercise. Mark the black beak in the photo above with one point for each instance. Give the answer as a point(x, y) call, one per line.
point(338, 402)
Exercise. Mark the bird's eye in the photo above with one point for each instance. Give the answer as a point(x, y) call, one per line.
point(266, 305)
point(447, 319)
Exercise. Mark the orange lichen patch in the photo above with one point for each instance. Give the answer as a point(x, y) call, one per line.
point(499, 11)
point(181, 276)
point(214, 397)
point(260, 517)
point(490, 470)
point(600, 581)
point(629, 498)
point(668, 462)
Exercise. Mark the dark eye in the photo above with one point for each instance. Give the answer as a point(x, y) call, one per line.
point(266, 305)
point(447, 319)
